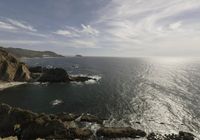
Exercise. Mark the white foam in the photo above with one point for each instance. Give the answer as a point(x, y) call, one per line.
point(4, 85)
point(91, 81)
point(77, 83)
point(56, 102)
point(40, 83)
point(94, 80)
point(36, 83)
point(92, 126)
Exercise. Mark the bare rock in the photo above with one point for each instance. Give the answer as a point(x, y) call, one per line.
point(90, 118)
point(120, 132)
point(54, 75)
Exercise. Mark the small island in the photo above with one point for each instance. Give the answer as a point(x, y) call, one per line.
point(78, 55)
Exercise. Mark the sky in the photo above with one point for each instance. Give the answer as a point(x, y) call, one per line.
point(124, 28)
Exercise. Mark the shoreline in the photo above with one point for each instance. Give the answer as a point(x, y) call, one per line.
point(5, 85)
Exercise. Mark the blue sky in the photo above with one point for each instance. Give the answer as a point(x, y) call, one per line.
point(103, 27)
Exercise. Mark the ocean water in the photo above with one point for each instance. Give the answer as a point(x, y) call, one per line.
point(153, 94)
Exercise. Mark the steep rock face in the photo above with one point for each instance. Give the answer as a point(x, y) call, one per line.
point(11, 69)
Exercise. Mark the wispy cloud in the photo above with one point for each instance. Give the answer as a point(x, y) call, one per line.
point(63, 32)
point(4, 25)
point(131, 24)
point(14, 25)
point(77, 32)
point(89, 30)
point(21, 25)
point(83, 44)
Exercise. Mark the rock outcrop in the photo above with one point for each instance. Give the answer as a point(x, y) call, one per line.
point(11, 69)
point(28, 125)
point(55, 75)
point(52, 75)
point(120, 132)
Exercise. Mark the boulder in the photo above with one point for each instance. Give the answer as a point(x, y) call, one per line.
point(155, 136)
point(186, 135)
point(44, 127)
point(79, 133)
point(120, 132)
point(90, 118)
point(67, 117)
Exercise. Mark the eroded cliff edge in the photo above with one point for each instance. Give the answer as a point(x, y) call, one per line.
point(11, 69)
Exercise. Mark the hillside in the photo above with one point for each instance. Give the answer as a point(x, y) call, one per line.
point(19, 53)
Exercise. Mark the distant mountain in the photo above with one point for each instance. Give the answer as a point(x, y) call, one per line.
point(20, 53)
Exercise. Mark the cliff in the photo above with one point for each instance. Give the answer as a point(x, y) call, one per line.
point(11, 69)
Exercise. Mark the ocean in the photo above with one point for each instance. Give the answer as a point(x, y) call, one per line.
point(153, 94)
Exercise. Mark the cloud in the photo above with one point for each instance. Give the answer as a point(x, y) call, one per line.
point(175, 25)
point(21, 25)
point(72, 43)
point(129, 27)
point(88, 29)
point(132, 24)
point(63, 32)
point(78, 32)
point(14, 25)
point(7, 26)
point(83, 44)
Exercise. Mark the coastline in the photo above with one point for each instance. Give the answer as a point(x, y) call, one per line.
point(5, 85)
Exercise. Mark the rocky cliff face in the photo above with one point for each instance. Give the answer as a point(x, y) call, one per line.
point(11, 69)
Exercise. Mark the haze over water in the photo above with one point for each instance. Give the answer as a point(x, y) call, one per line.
point(154, 94)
